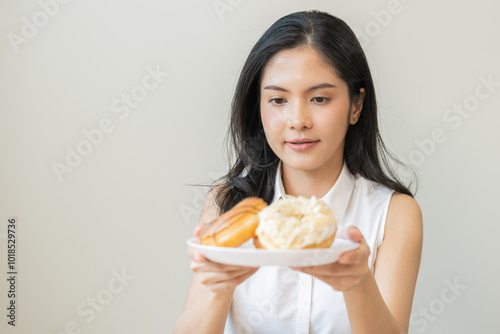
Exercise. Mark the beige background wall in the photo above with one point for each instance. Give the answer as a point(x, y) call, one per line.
point(101, 243)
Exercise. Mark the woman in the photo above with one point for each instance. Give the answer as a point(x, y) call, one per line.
point(304, 122)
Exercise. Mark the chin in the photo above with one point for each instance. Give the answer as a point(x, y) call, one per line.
point(300, 163)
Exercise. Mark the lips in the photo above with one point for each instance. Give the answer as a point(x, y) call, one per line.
point(301, 141)
point(301, 144)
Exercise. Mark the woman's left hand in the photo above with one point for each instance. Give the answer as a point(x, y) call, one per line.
point(350, 270)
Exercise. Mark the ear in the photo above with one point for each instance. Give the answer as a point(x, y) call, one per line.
point(356, 107)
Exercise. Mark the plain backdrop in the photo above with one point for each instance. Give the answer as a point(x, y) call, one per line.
point(101, 237)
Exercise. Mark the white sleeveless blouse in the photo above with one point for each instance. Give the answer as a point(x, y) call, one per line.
point(280, 300)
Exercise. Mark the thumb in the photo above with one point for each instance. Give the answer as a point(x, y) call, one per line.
point(195, 255)
point(197, 230)
point(351, 233)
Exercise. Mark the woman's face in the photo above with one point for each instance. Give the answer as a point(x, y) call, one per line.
point(303, 98)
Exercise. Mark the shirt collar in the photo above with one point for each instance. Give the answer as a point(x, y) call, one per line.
point(336, 198)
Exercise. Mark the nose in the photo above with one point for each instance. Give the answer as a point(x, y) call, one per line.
point(299, 117)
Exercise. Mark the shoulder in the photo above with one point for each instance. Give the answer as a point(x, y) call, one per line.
point(402, 203)
point(398, 258)
point(404, 218)
point(366, 187)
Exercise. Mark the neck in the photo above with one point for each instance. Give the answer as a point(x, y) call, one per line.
point(308, 183)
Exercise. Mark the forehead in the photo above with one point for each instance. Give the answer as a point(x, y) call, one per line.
point(299, 65)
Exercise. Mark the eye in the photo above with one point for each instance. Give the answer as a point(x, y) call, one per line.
point(321, 100)
point(277, 101)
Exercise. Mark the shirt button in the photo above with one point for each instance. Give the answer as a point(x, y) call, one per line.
point(304, 302)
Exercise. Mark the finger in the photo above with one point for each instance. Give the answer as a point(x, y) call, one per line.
point(220, 277)
point(241, 275)
point(211, 266)
point(353, 256)
point(209, 278)
point(328, 275)
point(336, 270)
point(325, 268)
point(197, 230)
point(347, 257)
point(354, 234)
point(229, 285)
point(195, 255)
point(357, 255)
point(350, 233)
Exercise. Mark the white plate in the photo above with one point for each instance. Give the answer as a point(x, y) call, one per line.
point(248, 255)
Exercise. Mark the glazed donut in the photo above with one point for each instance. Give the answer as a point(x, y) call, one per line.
point(234, 227)
point(296, 223)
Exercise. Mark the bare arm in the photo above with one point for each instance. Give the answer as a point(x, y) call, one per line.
point(205, 315)
point(382, 302)
point(212, 286)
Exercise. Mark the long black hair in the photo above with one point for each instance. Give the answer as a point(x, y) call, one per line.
point(254, 169)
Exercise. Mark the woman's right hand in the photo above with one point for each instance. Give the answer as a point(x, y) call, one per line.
point(219, 278)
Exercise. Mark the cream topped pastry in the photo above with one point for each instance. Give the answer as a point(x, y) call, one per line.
point(296, 222)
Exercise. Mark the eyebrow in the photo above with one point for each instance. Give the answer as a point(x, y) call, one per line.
point(322, 85)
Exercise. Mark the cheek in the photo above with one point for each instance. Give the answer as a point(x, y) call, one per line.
point(272, 123)
point(337, 121)
point(333, 124)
